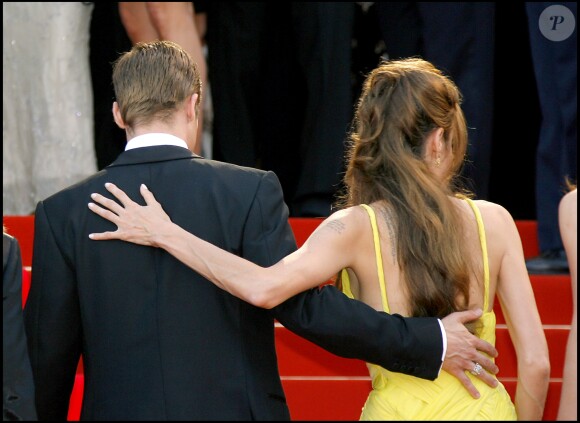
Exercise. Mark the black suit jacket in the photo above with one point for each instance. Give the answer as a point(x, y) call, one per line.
point(17, 385)
point(158, 341)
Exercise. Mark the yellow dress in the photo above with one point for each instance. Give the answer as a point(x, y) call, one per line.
point(396, 396)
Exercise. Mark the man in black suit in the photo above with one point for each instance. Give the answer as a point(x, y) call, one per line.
point(158, 341)
point(17, 382)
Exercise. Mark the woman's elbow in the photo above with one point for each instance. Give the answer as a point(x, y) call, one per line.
point(538, 363)
point(263, 298)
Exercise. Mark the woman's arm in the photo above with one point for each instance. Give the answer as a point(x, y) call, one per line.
point(324, 253)
point(523, 320)
point(137, 22)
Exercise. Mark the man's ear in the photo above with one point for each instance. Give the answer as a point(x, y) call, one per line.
point(192, 106)
point(117, 116)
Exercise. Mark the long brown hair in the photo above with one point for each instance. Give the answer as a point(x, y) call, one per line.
point(400, 104)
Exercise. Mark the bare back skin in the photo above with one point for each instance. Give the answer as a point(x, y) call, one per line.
point(365, 284)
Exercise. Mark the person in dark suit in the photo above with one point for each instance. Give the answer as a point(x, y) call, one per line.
point(158, 341)
point(281, 90)
point(457, 37)
point(18, 385)
point(553, 44)
point(107, 38)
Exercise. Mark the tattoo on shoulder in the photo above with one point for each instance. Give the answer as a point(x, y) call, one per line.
point(336, 225)
point(387, 214)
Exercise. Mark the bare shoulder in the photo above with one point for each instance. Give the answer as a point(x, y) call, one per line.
point(500, 226)
point(344, 220)
point(569, 201)
point(353, 214)
point(503, 237)
point(568, 213)
point(343, 226)
point(494, 214)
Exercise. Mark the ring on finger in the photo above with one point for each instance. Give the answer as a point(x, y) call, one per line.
point(477, 369)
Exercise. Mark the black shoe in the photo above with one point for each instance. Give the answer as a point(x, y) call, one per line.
point(550, 261)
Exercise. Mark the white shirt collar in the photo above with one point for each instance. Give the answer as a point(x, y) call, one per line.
point(153, 139)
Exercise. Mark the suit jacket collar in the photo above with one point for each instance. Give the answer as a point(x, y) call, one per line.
point(152, 155)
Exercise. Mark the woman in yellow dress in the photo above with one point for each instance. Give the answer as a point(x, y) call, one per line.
point(407, 240)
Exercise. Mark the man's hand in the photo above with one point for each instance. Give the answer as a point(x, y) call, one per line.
point(464, 350)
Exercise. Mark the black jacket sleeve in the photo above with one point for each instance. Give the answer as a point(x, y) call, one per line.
point(352, 329)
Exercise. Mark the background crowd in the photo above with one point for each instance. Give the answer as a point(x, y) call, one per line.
point(280, 89)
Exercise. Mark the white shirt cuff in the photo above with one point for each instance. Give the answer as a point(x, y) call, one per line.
point(444, 336)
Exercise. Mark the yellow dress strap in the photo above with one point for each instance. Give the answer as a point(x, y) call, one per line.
point(483, 242)
point(346, 284)
point(378, 256)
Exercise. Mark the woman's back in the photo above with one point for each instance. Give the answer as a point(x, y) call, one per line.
point(398, 396)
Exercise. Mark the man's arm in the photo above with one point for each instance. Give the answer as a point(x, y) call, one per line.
point(352, 329)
